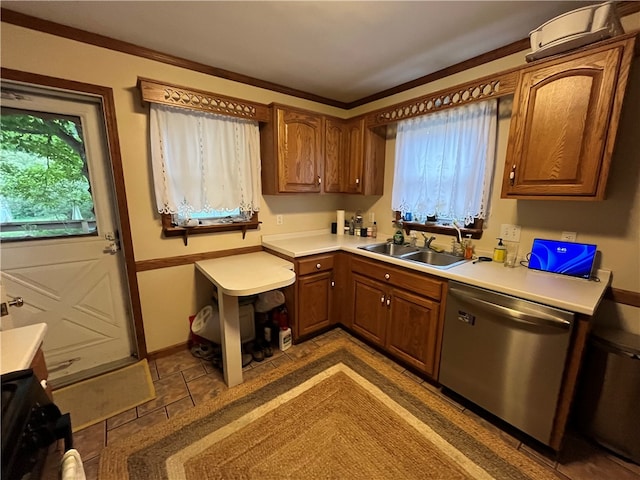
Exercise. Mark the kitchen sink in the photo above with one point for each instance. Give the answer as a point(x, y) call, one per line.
point(390, 249)
point(415, 254)
point(434, 259)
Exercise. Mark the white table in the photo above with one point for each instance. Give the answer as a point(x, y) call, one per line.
point(236, 276)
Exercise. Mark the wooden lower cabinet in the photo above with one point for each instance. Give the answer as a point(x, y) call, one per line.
point(314, 292)
point(394, 308)
point(39, 367)
point(412, 330)
point(406, 324)
point(314, 302)
point(370, 313)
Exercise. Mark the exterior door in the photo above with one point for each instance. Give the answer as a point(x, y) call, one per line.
point(74, 280)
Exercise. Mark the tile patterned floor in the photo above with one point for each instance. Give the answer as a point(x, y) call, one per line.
point(183, 381)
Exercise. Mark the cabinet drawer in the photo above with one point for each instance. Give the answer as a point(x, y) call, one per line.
point(419, 283)
point(317, 263)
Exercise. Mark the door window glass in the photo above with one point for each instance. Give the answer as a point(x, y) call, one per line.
point(44, 179)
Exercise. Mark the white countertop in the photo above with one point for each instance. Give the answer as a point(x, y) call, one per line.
point(572, 294)
point(247, 274)
point(19, 346)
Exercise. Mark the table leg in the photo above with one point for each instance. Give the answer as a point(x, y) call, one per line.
point(231, 340)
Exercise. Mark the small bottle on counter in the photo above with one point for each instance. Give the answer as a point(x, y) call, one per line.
point(374, 230)
point(468, 248)
point(352, 227)
point(369, 231)
point(499, 252)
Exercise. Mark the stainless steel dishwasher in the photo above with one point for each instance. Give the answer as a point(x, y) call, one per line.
point(506, 355)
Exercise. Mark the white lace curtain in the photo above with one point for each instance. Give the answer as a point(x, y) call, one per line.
point(204, 162)
point(444, 162)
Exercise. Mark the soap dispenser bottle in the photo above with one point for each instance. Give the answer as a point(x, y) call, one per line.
point(398, 237)
point(499, 252)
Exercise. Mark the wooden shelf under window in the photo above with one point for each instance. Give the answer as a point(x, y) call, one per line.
point(170, 230)
point(475, 231)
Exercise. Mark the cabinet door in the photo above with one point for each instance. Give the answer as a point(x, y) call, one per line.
point(299, 150)
point(314, 302)
point(334, 148)
point(373, 158)
point(412, 330)
point(39, 367)
point(559, 127)
point(369, 313)
point(353, 157)
point(341, 287)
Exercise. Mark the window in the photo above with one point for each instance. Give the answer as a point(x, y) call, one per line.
point(206, 169)
point(44, 174)
point(444, 164)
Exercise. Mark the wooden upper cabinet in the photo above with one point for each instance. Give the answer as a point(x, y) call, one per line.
point(334, 148)
point(375, 141)
point(354, 156)
point(292, 151)
point(305, 152)
point(344, 155)
point(564, 122)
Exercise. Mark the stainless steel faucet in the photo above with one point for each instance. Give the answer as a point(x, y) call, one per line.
point(427, 241)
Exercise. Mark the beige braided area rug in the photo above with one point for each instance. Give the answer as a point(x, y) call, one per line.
point(341, 413)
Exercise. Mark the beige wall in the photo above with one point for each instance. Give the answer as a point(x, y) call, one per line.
point(170, 295)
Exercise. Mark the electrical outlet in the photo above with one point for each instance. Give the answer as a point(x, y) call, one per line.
point(568, 236)
point(279, 220)
point(510, 233)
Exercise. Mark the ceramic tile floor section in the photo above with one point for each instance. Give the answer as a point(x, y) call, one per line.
point(183, 381)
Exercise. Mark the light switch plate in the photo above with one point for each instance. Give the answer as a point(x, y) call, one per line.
point(510, 233)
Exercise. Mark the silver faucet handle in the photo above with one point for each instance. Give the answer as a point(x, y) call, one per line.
point(427, 241)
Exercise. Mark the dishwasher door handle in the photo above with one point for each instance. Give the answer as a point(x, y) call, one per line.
point(510, 313)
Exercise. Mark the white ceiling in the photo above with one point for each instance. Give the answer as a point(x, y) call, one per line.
point(338, 50)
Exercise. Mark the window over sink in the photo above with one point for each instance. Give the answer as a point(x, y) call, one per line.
point(444, 168)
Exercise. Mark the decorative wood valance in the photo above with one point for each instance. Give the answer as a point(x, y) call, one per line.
point(154, 91)
point(500, 84)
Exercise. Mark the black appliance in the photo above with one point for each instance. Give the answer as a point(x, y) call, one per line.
point(31, 422)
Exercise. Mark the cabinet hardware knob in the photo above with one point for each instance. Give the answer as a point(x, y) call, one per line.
point(388, 301)
point(319, 180)
point(512, 175)
point(357, 181)
point(382, 299)
point(318, 266)
point(387, 276)
point(333, 284)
